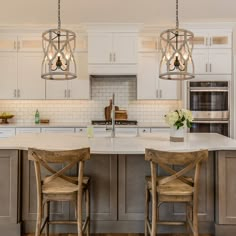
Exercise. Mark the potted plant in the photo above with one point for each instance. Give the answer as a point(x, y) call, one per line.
point(178, 120)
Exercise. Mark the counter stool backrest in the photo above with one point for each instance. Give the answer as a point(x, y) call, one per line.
point(188, 161)
point(71, 157)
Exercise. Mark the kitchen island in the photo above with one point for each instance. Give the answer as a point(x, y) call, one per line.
point(117, 169)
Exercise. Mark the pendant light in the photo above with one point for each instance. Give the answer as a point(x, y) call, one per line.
point(176, 48)
point(58, 47)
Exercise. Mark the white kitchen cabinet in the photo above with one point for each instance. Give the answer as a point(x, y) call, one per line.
point(78, 88)
point(21, 61)
point(7, 132)
point(212, 61)
point(58, 130)
point(148, 44)
point(27, 130)
point(21, 42)
point(149, 85)
point(212, 38)
point(112, 48)
point(8, 80)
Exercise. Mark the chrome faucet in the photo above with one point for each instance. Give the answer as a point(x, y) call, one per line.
point(113, 133)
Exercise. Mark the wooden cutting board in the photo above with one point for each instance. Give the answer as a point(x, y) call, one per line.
point(107, 110)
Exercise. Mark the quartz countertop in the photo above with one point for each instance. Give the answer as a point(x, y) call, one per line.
point(118, 145)
point(80, 125)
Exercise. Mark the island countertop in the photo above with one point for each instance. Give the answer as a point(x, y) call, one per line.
point(120, 144)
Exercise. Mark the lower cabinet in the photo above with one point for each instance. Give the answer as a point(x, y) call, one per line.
point(9, 195)
point(226, 188)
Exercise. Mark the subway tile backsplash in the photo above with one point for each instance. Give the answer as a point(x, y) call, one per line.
point(87, 110)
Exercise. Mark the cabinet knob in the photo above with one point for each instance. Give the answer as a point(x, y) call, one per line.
point(114, 57)
point(65, 94)
point(157, 93)
point(18, 93)
point(160, 93)
point(110, 57)
point(68, 93)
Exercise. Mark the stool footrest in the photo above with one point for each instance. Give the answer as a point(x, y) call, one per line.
point(62, 222)
point(174, 223)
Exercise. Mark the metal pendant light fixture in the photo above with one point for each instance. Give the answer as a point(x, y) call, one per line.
point(176, 48)
point(58, 47)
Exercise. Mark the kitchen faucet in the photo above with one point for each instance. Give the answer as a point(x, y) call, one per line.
point(113, 133)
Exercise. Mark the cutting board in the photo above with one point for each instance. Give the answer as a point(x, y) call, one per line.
point(108, 109)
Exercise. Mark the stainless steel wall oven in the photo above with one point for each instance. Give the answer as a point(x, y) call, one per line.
point(209, 102)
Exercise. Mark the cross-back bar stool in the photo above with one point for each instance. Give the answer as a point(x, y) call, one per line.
point(60, 187)
point(177, 187)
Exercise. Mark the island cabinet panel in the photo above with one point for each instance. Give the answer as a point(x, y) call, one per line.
point(9, 195)
point(132, 172)
point(226, 188)
point(103, 190)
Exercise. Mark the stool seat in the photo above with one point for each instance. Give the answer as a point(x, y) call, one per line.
point(175, 187)
point(61, 186)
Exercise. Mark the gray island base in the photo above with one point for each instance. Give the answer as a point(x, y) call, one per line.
point(117, 169)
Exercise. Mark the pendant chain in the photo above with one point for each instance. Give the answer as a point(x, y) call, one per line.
point(177, 14)
point(59, 15)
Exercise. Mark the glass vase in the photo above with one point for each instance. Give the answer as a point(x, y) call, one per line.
point(177, 135)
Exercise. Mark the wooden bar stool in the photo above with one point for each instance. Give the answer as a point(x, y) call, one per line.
point(175, 187)
point(60, 187)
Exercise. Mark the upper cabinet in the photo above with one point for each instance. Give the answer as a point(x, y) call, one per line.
point(112, 48)
point(212, 53)
point(212, 39)
point(149, 85)
point(21, 57)
point(78, 88)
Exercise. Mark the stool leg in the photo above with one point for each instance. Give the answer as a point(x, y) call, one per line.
point(147, 199)
point(39, 216)
point(87, 199)
point(79, 213)
point(154, 214)
point(195, 221)
point(47, 215)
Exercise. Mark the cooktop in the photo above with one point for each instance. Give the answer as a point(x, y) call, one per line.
point(117, 122)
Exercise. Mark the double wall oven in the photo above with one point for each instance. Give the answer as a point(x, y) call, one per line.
point(209, 102)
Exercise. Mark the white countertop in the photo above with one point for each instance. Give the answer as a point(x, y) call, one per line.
point(79, 125)
point(118, 145)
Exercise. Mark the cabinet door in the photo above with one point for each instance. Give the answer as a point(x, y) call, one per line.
point(30, 43)
point(200, 60)
point(221, 39)
point(168, 89)
point(124, 48)
point(79, 88)
point(27, 130)
point(56, 89)
point(147, 74)
point(30, 83)
point(220, 61)
point(8, 43)
point(100, 48)
point(8, 80)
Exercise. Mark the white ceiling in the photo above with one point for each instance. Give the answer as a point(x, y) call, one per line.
point(156, 12)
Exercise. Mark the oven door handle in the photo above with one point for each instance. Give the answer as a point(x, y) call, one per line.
point(210, 121)
point(209, 90)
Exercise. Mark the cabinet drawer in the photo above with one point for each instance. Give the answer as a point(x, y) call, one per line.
point(58, 130)
point(81, 131)
point(27, 130)
point(7, 132)
point(144, 130)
